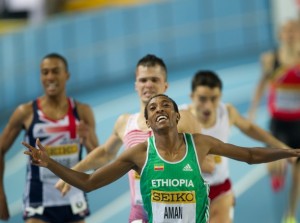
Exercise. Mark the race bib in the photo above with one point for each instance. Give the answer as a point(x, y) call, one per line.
point(173, 207)
point(66, 155)
point(287, 100)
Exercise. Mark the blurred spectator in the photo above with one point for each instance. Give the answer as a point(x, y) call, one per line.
point(35, 11)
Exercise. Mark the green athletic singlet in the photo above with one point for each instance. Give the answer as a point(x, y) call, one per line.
point(174, 191)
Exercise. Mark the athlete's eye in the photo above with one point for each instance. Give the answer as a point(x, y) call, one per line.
point(166, 104)
point(44, 72)
point(202, 99)
point(142, 80)
point(152, 107)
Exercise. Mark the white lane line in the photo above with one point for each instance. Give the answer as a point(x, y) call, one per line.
point(251, 178)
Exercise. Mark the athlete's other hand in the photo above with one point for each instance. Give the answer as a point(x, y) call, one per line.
point(63, 187)
point(39, 156)
point(4, 213)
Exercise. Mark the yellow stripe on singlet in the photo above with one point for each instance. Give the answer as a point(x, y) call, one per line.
point(62, 150)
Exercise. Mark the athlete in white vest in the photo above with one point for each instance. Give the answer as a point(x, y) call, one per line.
point(216, 118)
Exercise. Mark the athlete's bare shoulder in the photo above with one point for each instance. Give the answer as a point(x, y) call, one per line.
point(120, 124)
point(84, 110)
point(80, 105)
point(25, 109)
point(232, 113)
point(23, 115)
point(203, 144)
point(188, 123)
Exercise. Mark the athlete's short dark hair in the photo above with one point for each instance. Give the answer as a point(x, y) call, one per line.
point(206, 78)
point(150, 60)
point(160, 95)
point(57, 56)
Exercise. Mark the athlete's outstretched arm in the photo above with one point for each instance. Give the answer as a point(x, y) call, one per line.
point(97, 158)
point(251, 155)
point(252, 130)
point(83, 181)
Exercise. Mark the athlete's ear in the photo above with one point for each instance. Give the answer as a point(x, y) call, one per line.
point(178, 117)
point(147, 123)
point(166, 86)
point(68, 75)
point(191, 95)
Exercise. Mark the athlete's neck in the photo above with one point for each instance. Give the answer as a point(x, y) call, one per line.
point(169, 141)
point(54, 108)
point(55, 101)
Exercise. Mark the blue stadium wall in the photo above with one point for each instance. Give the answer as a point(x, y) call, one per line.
point(103, 46)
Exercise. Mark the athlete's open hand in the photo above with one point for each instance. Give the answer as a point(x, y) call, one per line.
point(39, 156)
point(63, 187)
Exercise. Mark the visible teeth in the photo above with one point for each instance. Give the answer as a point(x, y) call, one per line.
point(160, 118)
point(52, 86)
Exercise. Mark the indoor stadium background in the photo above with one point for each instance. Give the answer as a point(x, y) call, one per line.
point(103, 42)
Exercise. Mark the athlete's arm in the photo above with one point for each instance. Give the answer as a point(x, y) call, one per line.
point(267, 61)
point(257, 133)
point(9, 134)
point(130, 159)
point(250, 155)
point(252, 130)
point(87, 126)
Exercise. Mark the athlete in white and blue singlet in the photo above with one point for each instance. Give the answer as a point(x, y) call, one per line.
point(62, 124)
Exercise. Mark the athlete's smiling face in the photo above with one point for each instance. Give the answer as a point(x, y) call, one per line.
point(161, 113)
point(53, 76)
point(150, 80)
